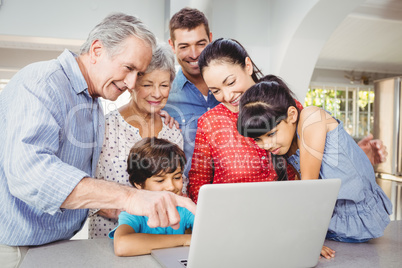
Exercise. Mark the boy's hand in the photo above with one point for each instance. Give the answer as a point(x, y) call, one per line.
point(327, 253)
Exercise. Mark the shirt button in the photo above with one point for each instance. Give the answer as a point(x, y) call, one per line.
point(183, 120)
point(263, 157)
point(208, 108)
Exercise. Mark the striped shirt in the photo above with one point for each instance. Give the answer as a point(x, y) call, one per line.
point(51, 133)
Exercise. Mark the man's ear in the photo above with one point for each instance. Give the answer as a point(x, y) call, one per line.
point(210, 37)
point(292, 114)
point(171, 43)
point(95, 51)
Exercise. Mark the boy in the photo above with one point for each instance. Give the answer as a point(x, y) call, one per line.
point(155, 165)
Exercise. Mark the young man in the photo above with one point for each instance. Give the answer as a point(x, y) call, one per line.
point(51, 137)
point(189, 97)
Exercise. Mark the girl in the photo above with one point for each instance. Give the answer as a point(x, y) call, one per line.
point(156, 165)
point(317, 146)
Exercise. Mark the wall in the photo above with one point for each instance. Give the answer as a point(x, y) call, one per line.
point(72, 19)
point(249, 23)
point(283, 37)
point(302, 50)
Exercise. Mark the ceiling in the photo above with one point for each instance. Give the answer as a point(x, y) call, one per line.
point(368, 40)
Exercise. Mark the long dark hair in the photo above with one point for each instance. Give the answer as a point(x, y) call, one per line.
point(226, 51)
point(152, 156)
point(262, 107)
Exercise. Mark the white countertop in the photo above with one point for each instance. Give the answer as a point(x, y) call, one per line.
point(380, 252)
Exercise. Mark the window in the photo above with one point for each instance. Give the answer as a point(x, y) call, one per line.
point(353, 105)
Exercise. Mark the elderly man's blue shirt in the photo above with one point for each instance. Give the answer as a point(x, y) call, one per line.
point(51, 136)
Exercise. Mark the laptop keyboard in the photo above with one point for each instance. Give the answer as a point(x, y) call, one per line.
point(183, 262)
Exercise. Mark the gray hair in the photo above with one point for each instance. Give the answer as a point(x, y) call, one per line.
point(114, 29)
point(163, 59)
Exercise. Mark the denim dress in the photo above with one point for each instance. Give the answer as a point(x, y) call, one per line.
point(362, 209)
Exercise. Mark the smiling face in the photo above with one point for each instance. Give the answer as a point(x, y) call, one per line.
point(151, 92)
point(188, 45)
point(111, 76)
point(228, 81)
point(172, 182)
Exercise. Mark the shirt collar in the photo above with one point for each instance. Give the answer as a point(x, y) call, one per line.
point(70, 66)
point(181, 79)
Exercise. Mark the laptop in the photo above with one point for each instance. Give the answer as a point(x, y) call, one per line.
point(260, 224)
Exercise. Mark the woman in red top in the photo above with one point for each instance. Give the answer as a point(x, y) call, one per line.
point(221, 154)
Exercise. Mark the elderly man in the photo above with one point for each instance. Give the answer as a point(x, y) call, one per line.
point(51, 135)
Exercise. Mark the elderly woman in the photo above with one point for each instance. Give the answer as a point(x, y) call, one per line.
point(132, 122)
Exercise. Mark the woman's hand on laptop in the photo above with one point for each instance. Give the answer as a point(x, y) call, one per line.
point(327, 253)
